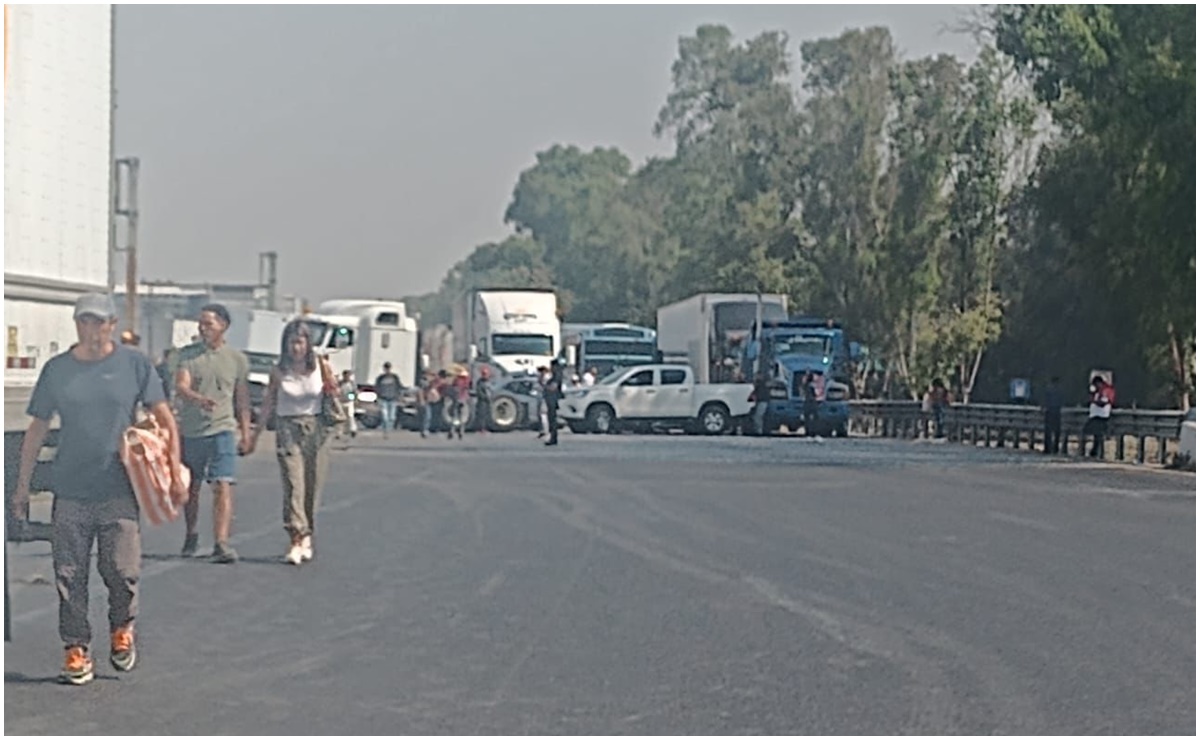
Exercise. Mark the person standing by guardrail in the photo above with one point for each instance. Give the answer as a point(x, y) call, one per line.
point(1052, 405)
point(95, 388)
point(1103, 397)
point(939, 401)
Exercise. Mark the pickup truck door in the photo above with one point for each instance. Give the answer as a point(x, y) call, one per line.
point(635, 396)
point(674, 399)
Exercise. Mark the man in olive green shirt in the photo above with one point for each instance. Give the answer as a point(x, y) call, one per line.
point(213, 394)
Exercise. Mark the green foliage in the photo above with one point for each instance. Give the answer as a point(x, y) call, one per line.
point(923, 202)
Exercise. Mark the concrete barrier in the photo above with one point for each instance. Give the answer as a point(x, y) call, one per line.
point(1187, 444)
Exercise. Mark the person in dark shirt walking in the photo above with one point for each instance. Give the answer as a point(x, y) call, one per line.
point(483, 400)
point(554, 393)
point(811, 422)
point(387, 390)
point(1052, 418)
point(95, 388)
point(761, 396)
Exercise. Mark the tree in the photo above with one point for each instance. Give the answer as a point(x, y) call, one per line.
point(738, 148)
point(574, 203)
point(844, 195)
point(1120, 185)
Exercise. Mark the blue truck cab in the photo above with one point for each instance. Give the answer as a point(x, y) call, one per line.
point(789, 349)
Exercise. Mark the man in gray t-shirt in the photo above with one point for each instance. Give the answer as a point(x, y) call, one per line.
point(95, 389)
point(212, 387)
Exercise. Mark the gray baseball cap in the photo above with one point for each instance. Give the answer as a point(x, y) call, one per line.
point(99, 305)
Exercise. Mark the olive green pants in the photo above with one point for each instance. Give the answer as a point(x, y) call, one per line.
point(300, 445)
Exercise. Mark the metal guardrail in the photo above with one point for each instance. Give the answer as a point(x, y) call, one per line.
point(1009, 425)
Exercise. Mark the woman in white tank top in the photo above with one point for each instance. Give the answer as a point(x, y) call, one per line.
point(294, 396)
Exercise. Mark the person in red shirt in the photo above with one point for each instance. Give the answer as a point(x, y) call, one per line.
point(1100, 406)
point(459, 395)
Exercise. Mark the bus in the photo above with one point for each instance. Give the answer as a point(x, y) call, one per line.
point(609, 346)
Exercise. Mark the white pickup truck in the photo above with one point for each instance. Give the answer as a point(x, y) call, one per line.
point(655, 396)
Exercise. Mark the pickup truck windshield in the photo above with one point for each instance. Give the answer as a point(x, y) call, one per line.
point(522, 344)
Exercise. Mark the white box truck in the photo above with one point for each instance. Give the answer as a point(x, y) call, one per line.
point(707, 331)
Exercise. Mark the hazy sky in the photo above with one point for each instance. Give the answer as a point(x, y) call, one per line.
point(373, 147)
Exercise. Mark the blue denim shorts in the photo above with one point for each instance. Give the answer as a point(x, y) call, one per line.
point(211, 459)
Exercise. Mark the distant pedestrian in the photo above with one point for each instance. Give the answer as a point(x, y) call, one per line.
point(349, 391)
point(458, 396)
point(1052, 405)
point(589, 377)
point(543, 408)
point(939, 401)
point(295, 394)
point(387, 392)
point(554, 394)
point(1100, 406)
point(95, 388)
point(483, 400)
point(761, 396)
point(213, 390)
point(443, 390)
point(429, 398)
point(811, 408)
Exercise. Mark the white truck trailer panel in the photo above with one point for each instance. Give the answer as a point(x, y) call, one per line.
point(57, 159)
point(57, 142)
point(685, 328)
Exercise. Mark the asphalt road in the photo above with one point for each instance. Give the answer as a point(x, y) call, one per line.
point(656, 585)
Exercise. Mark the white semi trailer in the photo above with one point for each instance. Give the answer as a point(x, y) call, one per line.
point(58, 161)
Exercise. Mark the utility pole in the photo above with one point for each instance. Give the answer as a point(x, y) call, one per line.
point(130, 212)
point(267, 262)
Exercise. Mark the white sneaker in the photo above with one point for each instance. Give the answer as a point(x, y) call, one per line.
point(294, 555)
point(306, 551)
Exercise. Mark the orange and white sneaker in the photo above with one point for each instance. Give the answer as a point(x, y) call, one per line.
point(77, 668)
point(306, 549)
point(124, 650)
